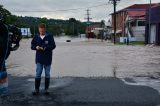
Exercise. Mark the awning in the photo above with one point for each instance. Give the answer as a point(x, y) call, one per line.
point(137, 14)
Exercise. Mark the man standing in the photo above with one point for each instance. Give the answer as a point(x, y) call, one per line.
point(8, 35)
point(4, 51)
point(44, 44)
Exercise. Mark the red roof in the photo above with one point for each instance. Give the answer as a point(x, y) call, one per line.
point(156, 5)
point(140, 6)
point(137, 11)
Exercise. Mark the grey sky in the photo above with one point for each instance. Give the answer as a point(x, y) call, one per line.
point(97, 13)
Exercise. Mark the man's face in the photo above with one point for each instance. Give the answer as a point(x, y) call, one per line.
point(42, 31)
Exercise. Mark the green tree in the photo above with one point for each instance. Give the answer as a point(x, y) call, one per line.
point(73, 23)
point(4, 12)
point(8, 17)
point(43, 20)
point(12, 19)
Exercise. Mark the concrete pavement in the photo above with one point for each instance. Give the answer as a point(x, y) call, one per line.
point(77, 91)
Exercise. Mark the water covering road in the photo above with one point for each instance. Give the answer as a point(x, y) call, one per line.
point(85, 58)
point(83, 74)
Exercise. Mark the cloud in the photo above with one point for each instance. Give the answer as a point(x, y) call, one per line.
point(98, 13)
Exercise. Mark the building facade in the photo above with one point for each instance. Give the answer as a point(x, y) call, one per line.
point(130, 22)
point(153, 35)
point(26, 32)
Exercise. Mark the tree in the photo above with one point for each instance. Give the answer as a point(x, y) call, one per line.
point(12, 19)
point(56, 26)
point(4, 12)
point(43, 20)
point(73, 22)
point(102, 23)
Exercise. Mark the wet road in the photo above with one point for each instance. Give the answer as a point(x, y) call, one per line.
point(136, 67)
point(76, 91)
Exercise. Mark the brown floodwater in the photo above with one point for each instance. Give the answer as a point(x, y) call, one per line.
point(83, 58)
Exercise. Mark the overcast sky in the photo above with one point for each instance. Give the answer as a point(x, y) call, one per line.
point(99, 10)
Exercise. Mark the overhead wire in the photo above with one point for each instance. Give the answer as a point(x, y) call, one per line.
point(62, 10)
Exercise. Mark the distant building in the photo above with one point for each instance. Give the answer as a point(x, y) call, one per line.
point(26, 32)
point(108, 30)
point(153, 37)
point(130, 22)
point(91, 31)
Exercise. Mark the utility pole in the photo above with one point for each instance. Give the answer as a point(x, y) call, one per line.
point(114, 2)
point(88, 19)
point(150, 21)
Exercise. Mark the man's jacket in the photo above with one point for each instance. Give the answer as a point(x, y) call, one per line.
point(44, 57)
point(4, 45)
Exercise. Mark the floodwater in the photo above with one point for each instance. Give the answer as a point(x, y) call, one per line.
point(93, 58)
point(136, 66)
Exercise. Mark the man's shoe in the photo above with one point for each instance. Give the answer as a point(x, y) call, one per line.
point(47, 81)
point(37, 85)
point(46, 92)
point(35, 93)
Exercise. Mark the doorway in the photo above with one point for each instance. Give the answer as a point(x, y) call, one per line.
point(153, 34)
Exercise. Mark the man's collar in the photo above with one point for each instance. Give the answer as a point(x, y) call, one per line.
point(43, 35)
point(46, 34)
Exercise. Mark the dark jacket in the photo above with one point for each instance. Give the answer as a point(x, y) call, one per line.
point(4, 46)
point(44, 57)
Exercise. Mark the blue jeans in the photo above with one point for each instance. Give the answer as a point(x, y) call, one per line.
point(3, 80)
point(39, 70)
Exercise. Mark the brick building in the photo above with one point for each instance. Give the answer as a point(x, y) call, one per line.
point(130, 22)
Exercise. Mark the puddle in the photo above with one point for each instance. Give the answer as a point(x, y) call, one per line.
point(57, 82)
point(144, 81)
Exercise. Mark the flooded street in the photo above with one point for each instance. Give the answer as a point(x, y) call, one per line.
point(83, 58)
point(107, 53)
point(87, 73)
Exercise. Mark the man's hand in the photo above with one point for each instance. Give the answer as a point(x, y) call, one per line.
point(38, 48)
point(41, 48)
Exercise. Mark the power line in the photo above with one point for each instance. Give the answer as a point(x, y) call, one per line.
point(62, 10)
